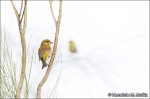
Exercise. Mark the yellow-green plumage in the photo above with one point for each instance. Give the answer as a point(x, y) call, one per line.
point(72, 47)
point(45, 55)
point(44, 51)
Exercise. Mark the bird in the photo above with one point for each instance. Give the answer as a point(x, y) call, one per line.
point(72, 47)
point(44, 51)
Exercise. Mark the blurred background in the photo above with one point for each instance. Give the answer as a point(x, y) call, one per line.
point(111, 39)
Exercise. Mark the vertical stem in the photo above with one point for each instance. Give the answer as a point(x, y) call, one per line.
point(23, 42)
point(53, 53)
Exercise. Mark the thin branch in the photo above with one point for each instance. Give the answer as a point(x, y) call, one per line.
point(53, 53)
point(52, 10)
point(15, 10)
point(23, 43)
point(25, 18)
point(21, 7)
point(25, 8)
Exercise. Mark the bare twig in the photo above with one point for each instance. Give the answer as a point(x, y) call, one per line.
point(54, 50)
point(52, 10)
point(23, 43)
point(21, 7)
point(15, 10)
point(21, 17)
point(25, 18)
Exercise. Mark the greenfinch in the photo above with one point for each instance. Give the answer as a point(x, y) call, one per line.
point(44, 51)
point(72, 47)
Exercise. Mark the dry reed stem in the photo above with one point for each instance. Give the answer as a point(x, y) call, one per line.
point(54, 48)
point(23, 43)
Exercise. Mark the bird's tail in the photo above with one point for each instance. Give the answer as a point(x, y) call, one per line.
point(44, 64)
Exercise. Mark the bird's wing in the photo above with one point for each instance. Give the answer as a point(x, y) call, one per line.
point(42, 50)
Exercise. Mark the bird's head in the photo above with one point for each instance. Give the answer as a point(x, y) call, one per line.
point(71, 42)
point(46, 42)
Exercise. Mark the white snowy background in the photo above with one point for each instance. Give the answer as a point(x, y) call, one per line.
point(112, 39)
